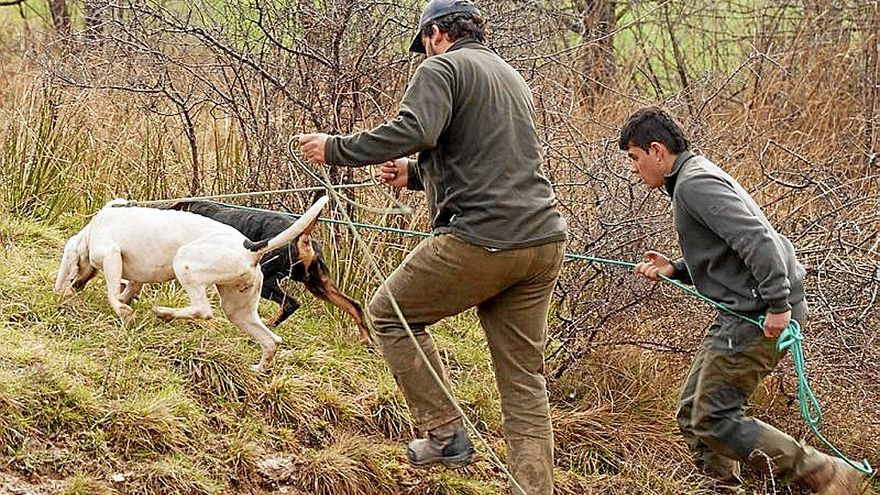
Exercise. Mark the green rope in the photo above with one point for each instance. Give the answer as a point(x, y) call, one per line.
point(791, 338)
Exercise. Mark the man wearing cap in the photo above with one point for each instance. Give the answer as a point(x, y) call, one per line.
point(498, 238)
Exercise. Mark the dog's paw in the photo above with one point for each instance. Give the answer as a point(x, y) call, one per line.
point(125, 313)
point(165, 314)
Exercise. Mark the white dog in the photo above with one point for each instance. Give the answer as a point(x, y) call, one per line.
point(145, 245)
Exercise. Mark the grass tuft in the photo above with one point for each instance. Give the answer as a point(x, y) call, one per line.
point(349, 465)
point(83, 484)
point(175, 475)
point(164, 420)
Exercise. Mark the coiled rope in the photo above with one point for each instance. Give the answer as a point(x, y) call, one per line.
point(790, 339)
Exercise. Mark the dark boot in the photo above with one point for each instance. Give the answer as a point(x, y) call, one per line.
point(448, 444)
point(834, 477)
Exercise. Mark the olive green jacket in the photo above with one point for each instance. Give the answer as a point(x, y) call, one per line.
point(730, 251)
point(470, 117)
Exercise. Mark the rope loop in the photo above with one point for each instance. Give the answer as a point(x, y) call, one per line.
point(792, 339)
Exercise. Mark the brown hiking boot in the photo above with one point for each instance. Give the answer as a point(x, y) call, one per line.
point(834, 477)
point(448, 444)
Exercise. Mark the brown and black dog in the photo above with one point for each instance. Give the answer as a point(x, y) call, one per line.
point(302, 260)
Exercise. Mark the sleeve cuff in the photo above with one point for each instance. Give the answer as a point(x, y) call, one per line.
point(414, 182)
point(681, 271)
point(331, 154)
point(778, 306)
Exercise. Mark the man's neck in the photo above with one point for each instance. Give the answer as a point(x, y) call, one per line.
point(440, 47)
point(444, 46)
point(668, 162)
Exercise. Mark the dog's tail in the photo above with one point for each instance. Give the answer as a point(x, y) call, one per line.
point(305, 222)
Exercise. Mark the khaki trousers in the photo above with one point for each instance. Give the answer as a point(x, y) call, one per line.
point(511, 289)
point(731, 362)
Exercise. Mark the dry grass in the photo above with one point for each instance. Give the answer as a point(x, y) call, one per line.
point(174, 408)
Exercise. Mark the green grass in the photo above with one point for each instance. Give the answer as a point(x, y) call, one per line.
point(176, 404)
point(174, 408)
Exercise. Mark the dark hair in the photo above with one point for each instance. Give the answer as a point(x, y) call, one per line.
point(652, 124)
point(459, 25)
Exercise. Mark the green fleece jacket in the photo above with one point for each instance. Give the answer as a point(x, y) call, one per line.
point(730, 252)
point(470, 117)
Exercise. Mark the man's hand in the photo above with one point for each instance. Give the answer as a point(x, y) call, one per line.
point(656, 265)
point(395, 173)
point(775, 323)
point(313, 146)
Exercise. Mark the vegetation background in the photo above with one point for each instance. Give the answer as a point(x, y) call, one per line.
point(159, 99)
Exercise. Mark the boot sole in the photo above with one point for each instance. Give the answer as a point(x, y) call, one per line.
point(454, 462)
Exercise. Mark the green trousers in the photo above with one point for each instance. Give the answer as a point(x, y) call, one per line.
point(731, 362)
point(511, 290)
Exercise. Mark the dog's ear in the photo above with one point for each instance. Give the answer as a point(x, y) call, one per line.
point(69, 269)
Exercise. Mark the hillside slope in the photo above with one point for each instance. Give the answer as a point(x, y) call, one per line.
point(89, 406)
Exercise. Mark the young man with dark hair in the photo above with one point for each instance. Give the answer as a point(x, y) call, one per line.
point(498, 237)
point(732, 254)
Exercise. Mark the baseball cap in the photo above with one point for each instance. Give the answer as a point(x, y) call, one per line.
point(436, 9)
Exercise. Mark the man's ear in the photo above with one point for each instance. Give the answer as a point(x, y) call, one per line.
point(437, 36)
point(659, 148)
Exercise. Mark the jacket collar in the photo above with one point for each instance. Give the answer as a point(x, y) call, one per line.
point(672, 177)
point(467, 42)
